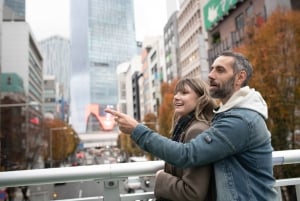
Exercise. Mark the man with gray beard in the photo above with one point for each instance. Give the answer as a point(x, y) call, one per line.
point(238, 142)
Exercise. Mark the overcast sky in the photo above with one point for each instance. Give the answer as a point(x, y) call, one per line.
point(51, 17)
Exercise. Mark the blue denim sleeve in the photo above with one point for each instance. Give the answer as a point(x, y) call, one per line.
point(210, 146)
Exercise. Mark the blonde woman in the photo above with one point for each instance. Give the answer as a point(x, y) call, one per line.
point(193, 111)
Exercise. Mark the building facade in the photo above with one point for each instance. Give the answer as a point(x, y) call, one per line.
point(14, 10)
point(157, 72)
point(49, 92)
point(128, 84)
point(171, 47)
point(225, 22)
point(57, 63)
point(21, 60)
point(102, 37)
point(190, 31)
point(21, 54)
point(152, 74)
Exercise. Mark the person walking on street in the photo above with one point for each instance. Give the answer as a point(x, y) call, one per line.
point(238, 143)
point(25, 193)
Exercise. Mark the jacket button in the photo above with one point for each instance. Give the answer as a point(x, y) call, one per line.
point(208, 139)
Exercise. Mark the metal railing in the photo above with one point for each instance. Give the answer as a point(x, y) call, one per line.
point(111, 174)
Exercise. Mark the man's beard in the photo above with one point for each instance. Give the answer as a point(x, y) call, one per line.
point(225, 90)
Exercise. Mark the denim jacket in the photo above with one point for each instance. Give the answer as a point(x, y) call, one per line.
point(238, 143)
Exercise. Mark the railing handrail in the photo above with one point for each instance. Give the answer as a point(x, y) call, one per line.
point(286, 157)
point(113, 171)
point(106, 171)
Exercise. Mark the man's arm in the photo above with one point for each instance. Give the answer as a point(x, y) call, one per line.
point(206, 148)
point(218, 142)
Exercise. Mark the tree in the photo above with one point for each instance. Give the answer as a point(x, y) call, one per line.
point(21, 131)
point(150, 120)
point(166, 109)
point(130, 147)
point(14, 137)
point(274, 50)
point(64, 140)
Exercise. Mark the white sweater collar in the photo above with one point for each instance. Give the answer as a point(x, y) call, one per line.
point(246, 98)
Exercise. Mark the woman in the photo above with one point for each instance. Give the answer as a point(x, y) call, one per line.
point(193, 111)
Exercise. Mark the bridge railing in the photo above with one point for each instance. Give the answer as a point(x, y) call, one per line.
point(112, 174)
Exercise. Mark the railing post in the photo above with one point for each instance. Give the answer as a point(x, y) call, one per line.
point(278, 188)
point(297, 192)
point(111, 190)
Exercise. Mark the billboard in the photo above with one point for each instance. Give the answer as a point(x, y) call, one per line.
point(215, 10)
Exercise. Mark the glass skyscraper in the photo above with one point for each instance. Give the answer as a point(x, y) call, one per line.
point(56, 55)
point(102, 36)
point(14, 10)
point(56, 60)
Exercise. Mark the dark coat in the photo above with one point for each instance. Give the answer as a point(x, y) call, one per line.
point(190, 184)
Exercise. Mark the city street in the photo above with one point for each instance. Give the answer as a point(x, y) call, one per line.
point(90, 189)
point(36, 193)
point(74, 190)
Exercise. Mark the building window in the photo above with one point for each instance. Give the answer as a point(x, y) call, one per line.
point(249, 11)
point(216, 38)
point(8, 81)
point(239, 22)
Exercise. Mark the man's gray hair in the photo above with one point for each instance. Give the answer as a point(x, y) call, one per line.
point(240, 63)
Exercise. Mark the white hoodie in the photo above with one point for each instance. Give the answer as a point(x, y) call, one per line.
point(246, 98)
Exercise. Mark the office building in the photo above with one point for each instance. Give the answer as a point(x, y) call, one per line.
point(190, 32)
point(57, 63)
point(50, 106)
point(226, 27)
point(56, 56)
point(22, 62)
point(171, 47)
point(102, 37)
point(21, 55)
point(14, 10)
point(128, 84)
point(152, 74)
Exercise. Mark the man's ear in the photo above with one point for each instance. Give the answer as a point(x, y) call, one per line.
point(241, 77)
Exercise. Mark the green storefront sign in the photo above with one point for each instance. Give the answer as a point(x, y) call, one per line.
point(11, 82)
point(214, 10)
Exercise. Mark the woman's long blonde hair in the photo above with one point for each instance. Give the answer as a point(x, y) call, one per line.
point(205, 103)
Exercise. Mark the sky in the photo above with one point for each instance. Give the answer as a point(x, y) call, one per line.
point(51, 17)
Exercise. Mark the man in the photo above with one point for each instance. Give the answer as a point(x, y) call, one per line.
point(238, 141)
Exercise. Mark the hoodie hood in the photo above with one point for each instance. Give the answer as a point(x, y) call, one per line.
point(246, 98)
